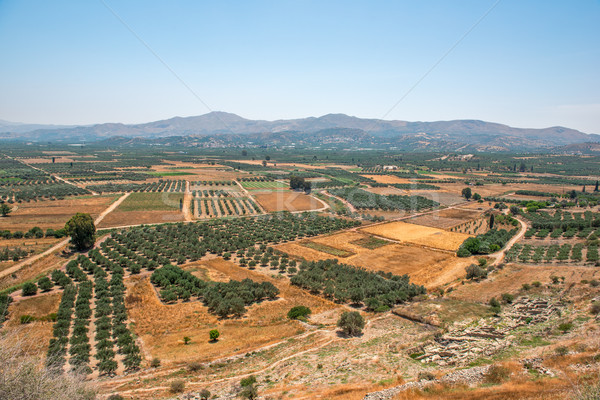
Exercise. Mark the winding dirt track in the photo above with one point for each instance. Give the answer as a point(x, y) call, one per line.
point(499, 256)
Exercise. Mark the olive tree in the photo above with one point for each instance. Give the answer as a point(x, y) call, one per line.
point(351, 323)
point(81, 228)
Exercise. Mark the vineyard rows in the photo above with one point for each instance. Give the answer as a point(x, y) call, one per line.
point(211, 204)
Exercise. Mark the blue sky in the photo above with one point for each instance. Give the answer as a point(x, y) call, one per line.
point(526, 64)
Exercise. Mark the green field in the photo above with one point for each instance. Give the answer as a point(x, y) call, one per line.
point(327, 249)
point(263, 185)
point(151, 202)
point(371, 242)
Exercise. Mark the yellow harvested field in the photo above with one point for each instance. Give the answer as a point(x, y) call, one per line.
point(419, 235)
point(287, 201)
point(387, 179)
point(428, 267)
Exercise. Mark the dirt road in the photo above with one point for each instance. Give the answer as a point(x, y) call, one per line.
point(499, 256)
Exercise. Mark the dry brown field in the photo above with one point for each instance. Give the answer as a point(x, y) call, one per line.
point(287, 201)
point(126, 218)
point(35, 245)
point(162, 327)
point(417, 234)
point(498, 190)
point(387, 179)
point(33, 270)
point(36, 335)
point(54, 213)
point(294, 165)
point(426, 267)
point(445, 219)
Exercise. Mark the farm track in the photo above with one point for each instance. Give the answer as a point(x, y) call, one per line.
point(187, 202)
point(344, 201)
point(499, 256)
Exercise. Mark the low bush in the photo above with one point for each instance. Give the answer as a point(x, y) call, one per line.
point(497, 374)
point(177, 386)
point(299, 312)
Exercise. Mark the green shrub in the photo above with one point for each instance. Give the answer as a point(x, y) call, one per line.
point(29, 289)
point(565, 327)
point(299, 312)
point(213, 335)
point(26, 319)
point(507, 298)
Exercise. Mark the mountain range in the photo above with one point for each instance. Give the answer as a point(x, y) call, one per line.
point(332, 130)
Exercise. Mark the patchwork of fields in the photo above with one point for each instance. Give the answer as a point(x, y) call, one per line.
point(230, 247)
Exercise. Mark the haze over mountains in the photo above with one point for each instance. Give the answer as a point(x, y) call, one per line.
point(332, 130)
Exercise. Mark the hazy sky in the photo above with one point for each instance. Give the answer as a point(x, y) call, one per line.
point(526, 64)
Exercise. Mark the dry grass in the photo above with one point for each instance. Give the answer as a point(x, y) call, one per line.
point(533, 390)
point(387, 179)
point(35, 245)
point(162, 327)
point(197, 172)
point(54, 213)
point(116, 218)
point(37, 333)
point(512, 277)
point(38, 306)
point(24, 377)
point(287, 201)
point(42, 265)
point(419, 235)
point(445, 219)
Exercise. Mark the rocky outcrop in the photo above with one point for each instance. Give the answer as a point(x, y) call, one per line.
point(462, 344)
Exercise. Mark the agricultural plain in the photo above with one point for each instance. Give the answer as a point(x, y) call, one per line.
point(197, 243)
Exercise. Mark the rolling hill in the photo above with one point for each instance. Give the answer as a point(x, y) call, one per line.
point(226, 129)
